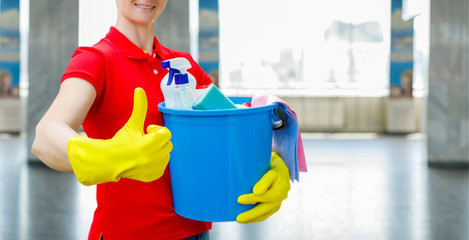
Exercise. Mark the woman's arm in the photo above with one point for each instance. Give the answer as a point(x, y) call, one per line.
point(61, 122)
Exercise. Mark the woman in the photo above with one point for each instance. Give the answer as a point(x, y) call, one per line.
point(128, 165)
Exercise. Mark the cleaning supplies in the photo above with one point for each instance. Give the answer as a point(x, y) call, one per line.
point(217, 156)
point(209, 98)
point(175, 65)
point(183, 93)
point(212, 99)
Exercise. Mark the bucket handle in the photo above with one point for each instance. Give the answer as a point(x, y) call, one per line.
point(280, 123)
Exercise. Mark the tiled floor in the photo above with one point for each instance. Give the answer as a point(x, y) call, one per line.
point(357, 187)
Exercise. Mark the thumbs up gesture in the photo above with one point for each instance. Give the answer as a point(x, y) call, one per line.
point(129, 154)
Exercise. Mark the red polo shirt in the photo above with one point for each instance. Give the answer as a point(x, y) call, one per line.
point(130, 209)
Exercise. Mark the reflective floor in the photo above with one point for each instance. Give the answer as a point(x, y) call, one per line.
point(359, 186)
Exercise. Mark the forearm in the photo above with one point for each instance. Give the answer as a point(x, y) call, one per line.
point(50, 144)
point(61, 121)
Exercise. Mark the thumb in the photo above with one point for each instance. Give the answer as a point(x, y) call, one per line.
point(139, 112)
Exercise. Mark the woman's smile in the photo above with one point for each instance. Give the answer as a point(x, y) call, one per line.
point(144, 6)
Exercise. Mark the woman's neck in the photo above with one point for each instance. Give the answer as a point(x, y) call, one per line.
point(140, 35)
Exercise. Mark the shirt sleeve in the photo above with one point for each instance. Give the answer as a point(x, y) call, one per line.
point(88, 64)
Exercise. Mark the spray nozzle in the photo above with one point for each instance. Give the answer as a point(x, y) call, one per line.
point(172, 71)
point(181, 78)
point(176, 65)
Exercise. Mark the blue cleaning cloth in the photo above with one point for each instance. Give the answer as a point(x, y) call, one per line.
point(285, 141)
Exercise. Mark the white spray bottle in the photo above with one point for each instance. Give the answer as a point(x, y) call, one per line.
point(168, 86)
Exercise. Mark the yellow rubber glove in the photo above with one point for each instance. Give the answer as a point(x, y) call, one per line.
point(129, 154)
point(269, 192)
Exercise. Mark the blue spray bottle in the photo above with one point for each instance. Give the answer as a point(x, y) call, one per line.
point(175, 65)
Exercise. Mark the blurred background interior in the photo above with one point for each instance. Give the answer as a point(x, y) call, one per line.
point(381, 90)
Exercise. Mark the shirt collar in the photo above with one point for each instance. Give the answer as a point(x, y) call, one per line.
point(129, 49)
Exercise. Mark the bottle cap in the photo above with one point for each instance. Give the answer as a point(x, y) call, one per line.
point(181, 78)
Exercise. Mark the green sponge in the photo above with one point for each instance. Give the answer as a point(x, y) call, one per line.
point(212, 99)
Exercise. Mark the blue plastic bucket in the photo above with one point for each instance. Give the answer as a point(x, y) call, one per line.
point(217, 156)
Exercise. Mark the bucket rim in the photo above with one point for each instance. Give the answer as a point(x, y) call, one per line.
point(237, 100)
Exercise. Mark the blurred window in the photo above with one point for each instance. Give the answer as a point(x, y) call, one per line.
point(303, 47)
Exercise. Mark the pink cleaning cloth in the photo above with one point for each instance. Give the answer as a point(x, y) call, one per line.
point(261, 100)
